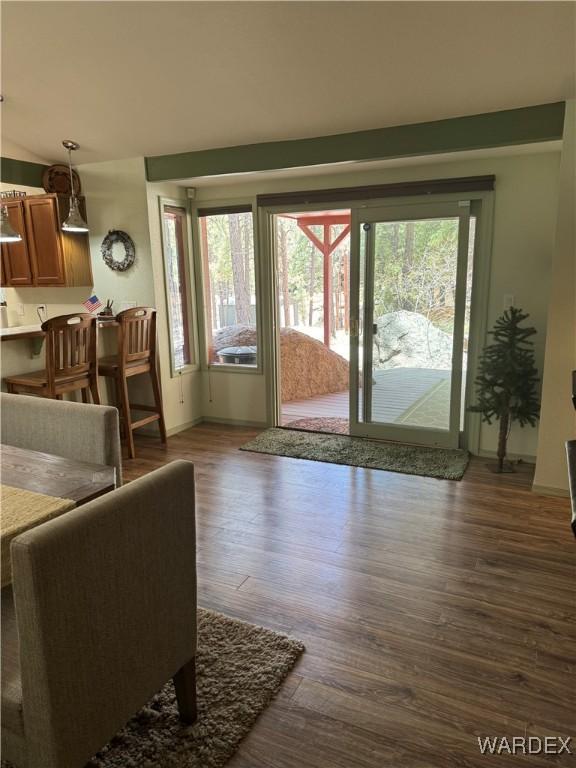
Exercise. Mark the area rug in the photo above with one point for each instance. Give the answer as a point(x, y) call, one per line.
point(445, 463)
point(239, 669)
point(332, 424)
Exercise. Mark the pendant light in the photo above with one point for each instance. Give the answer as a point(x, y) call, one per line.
point(7, 232)
point(74, 221)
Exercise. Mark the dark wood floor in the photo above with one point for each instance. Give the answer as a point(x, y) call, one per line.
point(433, 611)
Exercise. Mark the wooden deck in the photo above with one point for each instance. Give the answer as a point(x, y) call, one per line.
point(395, 394)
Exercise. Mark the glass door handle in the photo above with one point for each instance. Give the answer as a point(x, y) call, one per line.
point(354, 327)
point(375, 328)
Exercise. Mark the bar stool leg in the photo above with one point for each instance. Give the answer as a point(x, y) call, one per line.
point(94, 390)
point(84, 392)
point(158, 402)
point(125, 402)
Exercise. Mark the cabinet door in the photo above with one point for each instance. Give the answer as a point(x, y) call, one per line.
point(15, 257)
point(44, 242)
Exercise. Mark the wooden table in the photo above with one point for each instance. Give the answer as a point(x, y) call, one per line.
point(54, 475)
point(47, 486)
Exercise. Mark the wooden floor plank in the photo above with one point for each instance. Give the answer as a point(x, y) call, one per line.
point(433, 612)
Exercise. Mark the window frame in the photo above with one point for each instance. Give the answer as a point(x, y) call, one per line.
point(219, 207)
point(188, 283)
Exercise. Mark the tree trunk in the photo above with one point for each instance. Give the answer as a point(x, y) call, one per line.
point(503, 439)
point(247, 245)
point(407, 266)
point(283, 254)
point(241, 292)
point(312, 286)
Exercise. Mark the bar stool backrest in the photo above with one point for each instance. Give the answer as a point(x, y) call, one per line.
point(137, 335)
point(71, 344)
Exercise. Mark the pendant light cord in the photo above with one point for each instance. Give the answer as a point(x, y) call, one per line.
point(72, 190)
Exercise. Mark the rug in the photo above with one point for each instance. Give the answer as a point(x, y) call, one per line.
point(332, 424)
point(445, 463)
point(239, 669)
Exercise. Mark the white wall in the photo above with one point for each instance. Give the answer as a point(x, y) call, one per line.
point(116, 199)
point(558, 418)
point(523, 244)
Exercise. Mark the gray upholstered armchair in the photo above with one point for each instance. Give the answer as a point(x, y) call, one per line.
point(64, 428)
point(103, 614)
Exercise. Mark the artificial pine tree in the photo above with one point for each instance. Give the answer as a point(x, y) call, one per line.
point(507, 379)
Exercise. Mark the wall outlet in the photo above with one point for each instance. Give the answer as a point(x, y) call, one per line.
point(509, 300)
point(20, 310)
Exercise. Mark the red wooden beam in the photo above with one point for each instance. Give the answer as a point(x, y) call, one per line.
point(327, 286)
point(326, 248)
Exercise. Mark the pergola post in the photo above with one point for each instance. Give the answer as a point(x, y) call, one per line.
point(326, 247)
point(327, 252)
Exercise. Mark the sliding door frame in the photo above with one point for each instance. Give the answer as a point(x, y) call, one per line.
point(369, 219)
point(481, 207)
point(267, 235)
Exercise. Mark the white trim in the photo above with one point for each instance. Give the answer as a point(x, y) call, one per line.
point(182, 427)
point(189, 278)
point(234, 422)
point(527, 458)
point(205, 364)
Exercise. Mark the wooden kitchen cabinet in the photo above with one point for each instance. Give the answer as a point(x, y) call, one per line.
point(46, 256)
point(16, 268)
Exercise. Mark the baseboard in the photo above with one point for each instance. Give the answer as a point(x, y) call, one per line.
point(512, 456)
point(234, 422)
point(545, 490)
point(182, 427)
point(152, 431)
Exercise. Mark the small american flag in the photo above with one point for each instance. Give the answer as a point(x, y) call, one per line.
point(92, 304)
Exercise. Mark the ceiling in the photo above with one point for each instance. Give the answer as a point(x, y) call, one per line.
point(126, 79)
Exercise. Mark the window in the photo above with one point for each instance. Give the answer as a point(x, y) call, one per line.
point(228, 267)
point(177, 285)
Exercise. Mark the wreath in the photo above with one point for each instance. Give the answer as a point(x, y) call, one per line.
point(117, 236)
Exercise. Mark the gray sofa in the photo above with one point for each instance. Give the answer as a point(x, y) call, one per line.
point(64, 428)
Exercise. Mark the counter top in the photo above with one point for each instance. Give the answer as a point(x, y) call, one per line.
point(35, 331)
point(21, 332)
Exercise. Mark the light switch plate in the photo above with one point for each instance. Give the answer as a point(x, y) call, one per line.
point(509, 300)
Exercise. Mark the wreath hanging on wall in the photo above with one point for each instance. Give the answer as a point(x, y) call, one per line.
point(113, 237)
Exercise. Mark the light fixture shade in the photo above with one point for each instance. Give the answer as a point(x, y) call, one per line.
point(7, 232)
point(74, 221)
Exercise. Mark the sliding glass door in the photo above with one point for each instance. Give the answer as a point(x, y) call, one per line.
point(411, 273)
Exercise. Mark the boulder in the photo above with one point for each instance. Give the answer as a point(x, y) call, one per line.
point(410, 340)
point(308, 367)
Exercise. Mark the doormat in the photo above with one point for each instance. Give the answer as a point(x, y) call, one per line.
point(332, 424)
point(444, 463)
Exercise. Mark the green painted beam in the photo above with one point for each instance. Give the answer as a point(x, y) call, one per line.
point(21, 172)
point(494, 129)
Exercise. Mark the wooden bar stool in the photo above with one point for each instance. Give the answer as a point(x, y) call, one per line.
point(71, 360)
point(136, 355)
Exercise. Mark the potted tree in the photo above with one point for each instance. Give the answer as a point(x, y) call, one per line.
point(507, 379)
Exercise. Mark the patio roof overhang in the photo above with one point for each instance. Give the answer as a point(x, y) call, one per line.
point(326, 245)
